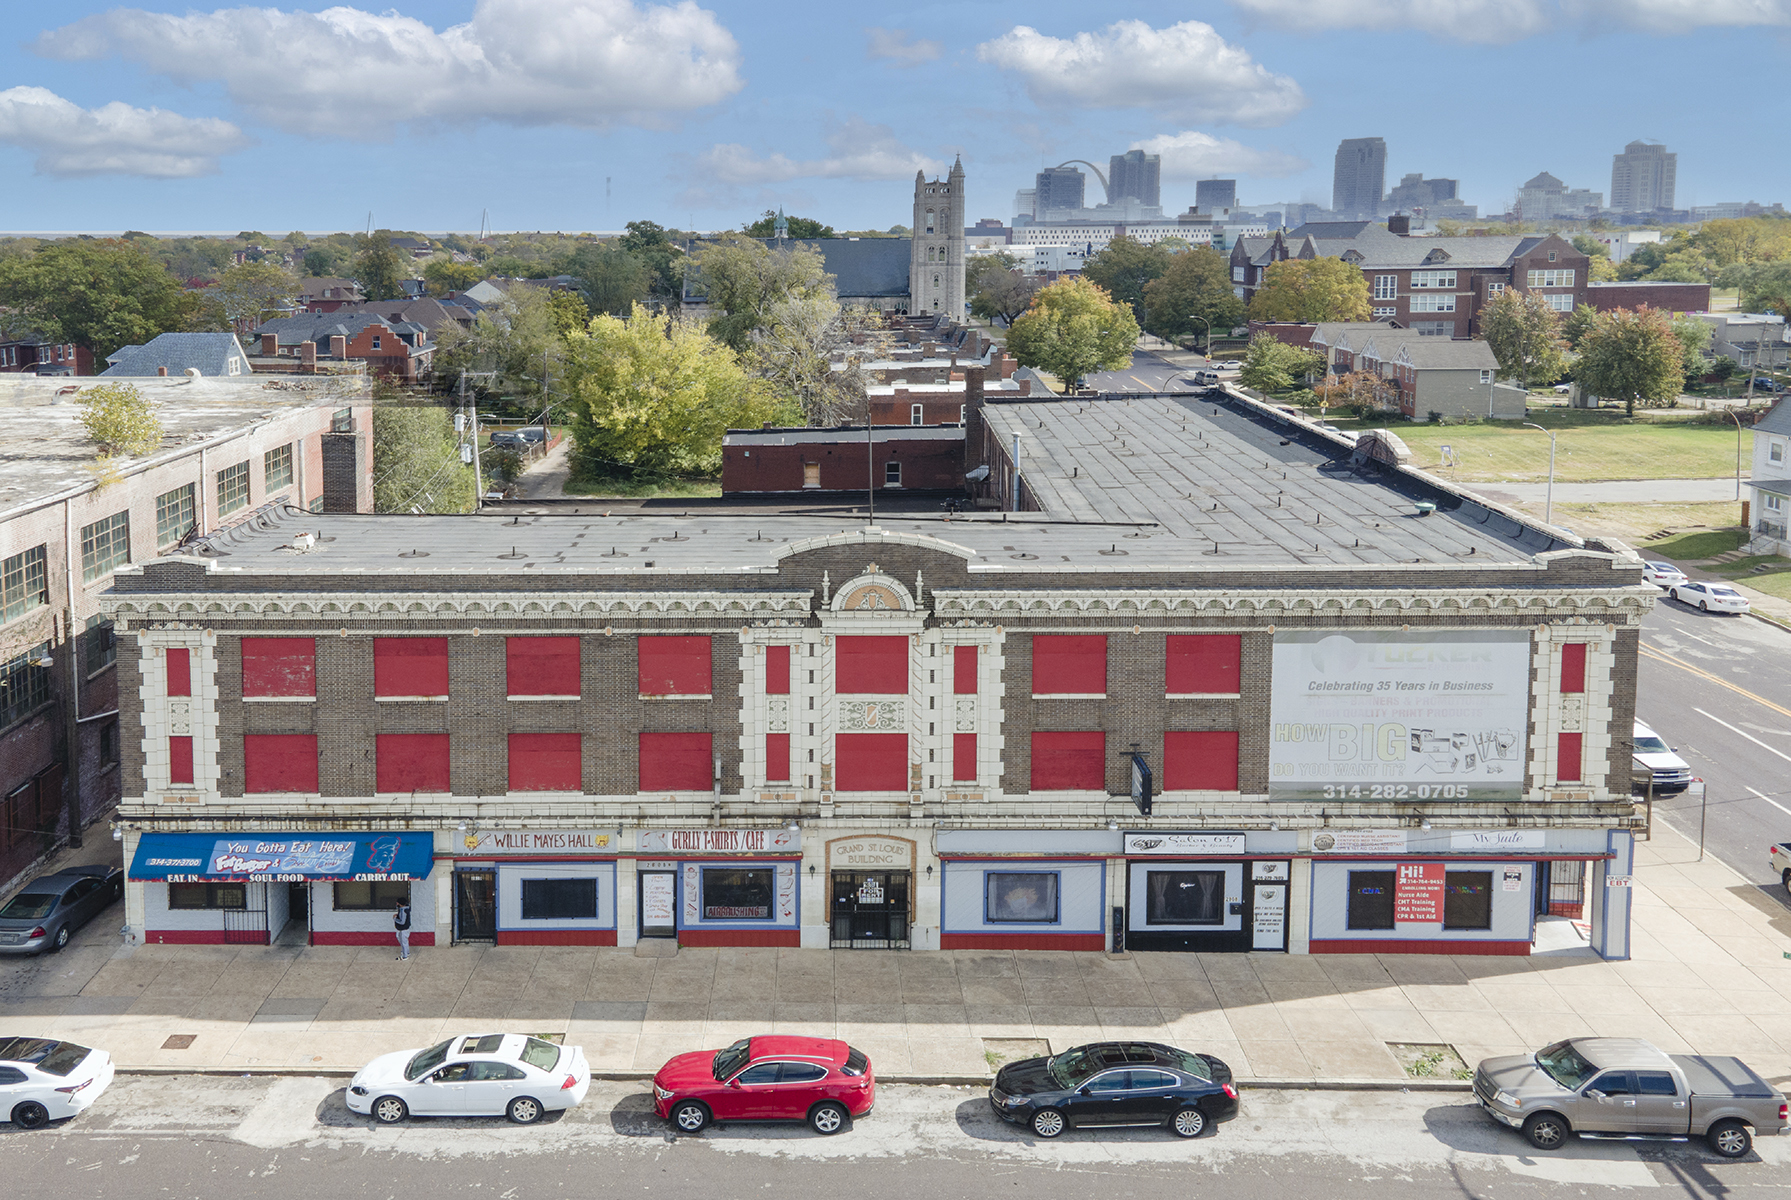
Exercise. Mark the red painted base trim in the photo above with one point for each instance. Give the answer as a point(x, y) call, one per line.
point(556, 937)
point(324, 937)
point(1022, 941)
point(1576, 911)
point(1414, 946)
point(740, 937)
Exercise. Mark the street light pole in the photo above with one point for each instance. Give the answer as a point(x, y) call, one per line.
point(1730, 413)
point(1207, 321)
point(1548, 504)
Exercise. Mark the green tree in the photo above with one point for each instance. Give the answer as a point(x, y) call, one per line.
point(325, 261)
point(794, 351)
point(1073, 327)
point(444, 275)
point(416, 462)
point(1764, 287)
point(515, 338)
point(120, 419)
point(652, 245)
point(568, 313)
point(1632, 357)
point(1602, 270)
point(653, 395)
point(1271, 365)
point(1193, 296)
point(613, 279)
point(799, 227)
point(1525, 336)
point(1306, 291)
point(98, 294)
point(1694, 339)
point(1124, 268)
point(997, 288)
point(255, 292)
point(378, 267)
point(1744, 241)
point(1575, 324)
point(743, 279)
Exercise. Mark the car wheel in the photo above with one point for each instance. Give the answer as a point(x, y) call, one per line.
point(828, 1117)
point(118, 890)
point(1730, 1139)
point(389, 1110)
point(1546, 1131)
point(524, 1110)
point(30, 1115)
point(1189, 1122)
point(1703, 606)
point(1672, 593)
point(690, 1116)
point(1048, 1123)
point(61, 939)
point(1785, 878)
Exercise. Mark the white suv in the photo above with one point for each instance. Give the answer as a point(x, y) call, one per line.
point(1653, 757)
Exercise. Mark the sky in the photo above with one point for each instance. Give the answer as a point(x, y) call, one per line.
point(572, 115)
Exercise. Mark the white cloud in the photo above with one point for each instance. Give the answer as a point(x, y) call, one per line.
point(113, 140)
point(1501, 21)
point(1186, 72)
point(347, 73)
point(860, 151)
point(1194, 155)
point(899, 48)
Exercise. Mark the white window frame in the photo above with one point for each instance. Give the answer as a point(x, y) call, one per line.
point(1385, 312)
point(916, 414)
point(1774, 503)
point(1561, 302)
point(1494, 289)
point(892, 474)
point(1432, 279)
point(1775, 451)
point(1435, 302)
point(1386, 287)
point(1485, 375)
point(1562, 277)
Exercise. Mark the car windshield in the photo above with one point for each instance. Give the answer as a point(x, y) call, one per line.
point(1565, 1065)
point(540, 1054)
point(29, 906)
point(729, 1061)
point(1724, 591)
point(46, 1054)
point(427, 1060)
point(1651, 745)
point(1072, 1067)
point(1188, 1064)
point(65, 1057)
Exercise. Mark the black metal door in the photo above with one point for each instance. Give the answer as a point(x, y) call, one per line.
point(475, 906)
point(247, 926)
point(870, 910)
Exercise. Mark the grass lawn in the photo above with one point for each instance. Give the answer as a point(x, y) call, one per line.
point(1699, 545)
point(1590, 446)
point(627, 490)
point(1708, 525)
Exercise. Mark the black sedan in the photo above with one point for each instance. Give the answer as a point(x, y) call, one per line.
point(46, 913)
point(1116, 1084)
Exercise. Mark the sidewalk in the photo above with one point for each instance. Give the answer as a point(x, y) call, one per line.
point(1710, 975)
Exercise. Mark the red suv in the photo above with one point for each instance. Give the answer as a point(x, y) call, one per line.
point(819, 1080)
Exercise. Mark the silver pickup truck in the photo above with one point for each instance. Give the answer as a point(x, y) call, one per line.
point(1626, 1088)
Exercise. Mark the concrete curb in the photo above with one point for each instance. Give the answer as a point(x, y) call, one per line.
point(974, 1081)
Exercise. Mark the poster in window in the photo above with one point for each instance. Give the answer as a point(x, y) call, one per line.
point(1418, 894)
point(1022, 896)
point(737, 895)
point(1184, 898)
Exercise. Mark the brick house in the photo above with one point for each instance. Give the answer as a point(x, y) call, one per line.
point(327, 293)
point(1434, 286)
point(25, 353)
point(399, 350)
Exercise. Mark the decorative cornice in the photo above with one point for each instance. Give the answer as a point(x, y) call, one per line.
point(1630, 604)
point(496, 606)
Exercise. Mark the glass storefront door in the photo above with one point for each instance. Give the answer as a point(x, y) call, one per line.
point(869, 910)
point(475, 906)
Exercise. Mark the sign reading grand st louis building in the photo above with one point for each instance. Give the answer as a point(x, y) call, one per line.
point(1399, 716)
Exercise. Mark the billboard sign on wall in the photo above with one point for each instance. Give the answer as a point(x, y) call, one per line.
point(1373, 715)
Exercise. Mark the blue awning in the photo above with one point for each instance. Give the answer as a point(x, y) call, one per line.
point(279, 858)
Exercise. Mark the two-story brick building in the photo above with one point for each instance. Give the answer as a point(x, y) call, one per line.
point(1216, 681)
point(1434, 286)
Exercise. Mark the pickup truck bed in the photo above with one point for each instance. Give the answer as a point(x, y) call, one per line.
point(1709, 1075)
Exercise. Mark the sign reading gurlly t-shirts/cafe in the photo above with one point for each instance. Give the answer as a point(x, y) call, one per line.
point(719, 841)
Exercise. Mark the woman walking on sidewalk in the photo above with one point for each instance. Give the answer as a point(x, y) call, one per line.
point(401, 923)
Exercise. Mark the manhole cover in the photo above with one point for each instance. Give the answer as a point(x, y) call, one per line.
point(998, 1052)
point(179, 1041)
point(1430, 1060)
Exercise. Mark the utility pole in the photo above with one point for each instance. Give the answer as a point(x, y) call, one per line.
point(1548, 504)
point(870, 461)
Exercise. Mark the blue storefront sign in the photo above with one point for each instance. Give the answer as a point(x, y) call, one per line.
point(254, 858)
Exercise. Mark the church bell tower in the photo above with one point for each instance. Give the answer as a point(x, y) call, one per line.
point(936, 265)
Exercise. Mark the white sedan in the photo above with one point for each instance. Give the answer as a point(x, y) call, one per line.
point(1662, 574)
point(1711, 597)
point(1231, 364)
point(485, 1075)
point(44, 1080)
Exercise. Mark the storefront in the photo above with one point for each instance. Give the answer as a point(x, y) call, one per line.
point(1024, 889)
point(871, 896)
point(720, 887)
point(1211, 892)
point(244, 888)
point(533, 887)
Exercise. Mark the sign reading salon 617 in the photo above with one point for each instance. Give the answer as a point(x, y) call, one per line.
point(1371, 715)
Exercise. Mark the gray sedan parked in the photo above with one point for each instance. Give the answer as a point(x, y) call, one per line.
point(46, 913)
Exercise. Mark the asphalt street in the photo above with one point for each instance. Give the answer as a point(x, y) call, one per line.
point(1718, 688)
point(1149, 372)
point(278, 1138)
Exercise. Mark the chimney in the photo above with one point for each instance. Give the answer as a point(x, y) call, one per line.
point(973, 418)
point(1400, 224)
point(1008, 364)
point(308, 356)
point(338, 346)
point(270, 344)
point(161, 371)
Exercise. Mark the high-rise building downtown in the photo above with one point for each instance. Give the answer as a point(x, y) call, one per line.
point(1057, 187)
point(1643, 177)
point(1135, 175)
point(1360, 177)
point(1210, 194)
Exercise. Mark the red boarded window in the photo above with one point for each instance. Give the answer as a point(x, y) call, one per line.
point(541, 666)
point(777, 757)
point(871, 666)
point(279, 762)
point(677, 762)
point(963, 756)
point(410, 667)
point(1573, 667)
point(963, 670)
point(1069, 664)
point(674, 666)
point(180, 672)
point(1203, 664)
point(777, 670)
point(280, 666)
point(1567, 759)
point(870, 762)
point(180, 759)
point(412, 762)
point(1062, 761)
point(545, 762)
point(1200, 761)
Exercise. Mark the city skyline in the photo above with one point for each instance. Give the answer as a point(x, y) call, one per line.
point(221, 119)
